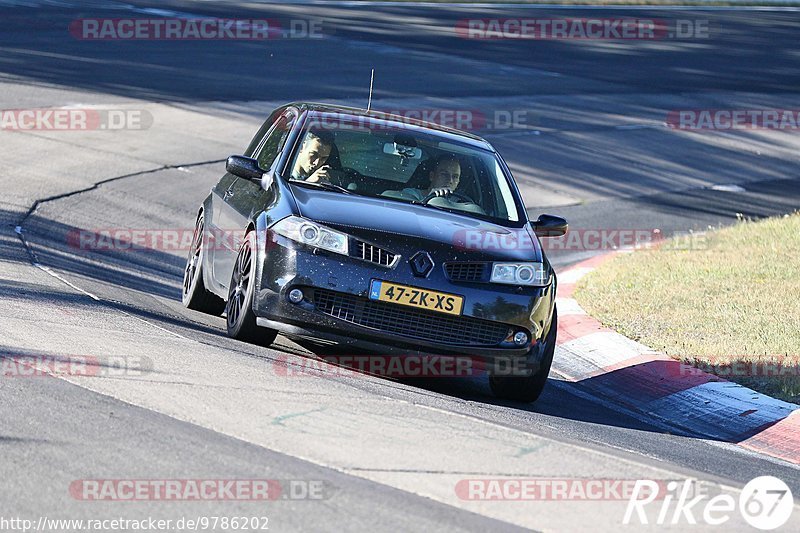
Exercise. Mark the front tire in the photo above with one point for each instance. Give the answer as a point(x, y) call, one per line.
point(241, 320)
point(528, 388)
point(194, 294)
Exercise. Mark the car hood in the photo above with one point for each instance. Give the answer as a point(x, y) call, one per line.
point(382, 220)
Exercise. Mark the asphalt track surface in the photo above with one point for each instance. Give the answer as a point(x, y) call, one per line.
point(593, 148)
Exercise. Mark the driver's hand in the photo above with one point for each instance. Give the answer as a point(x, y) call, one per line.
point(325, 174)
point(321, 174)
point(444, 191)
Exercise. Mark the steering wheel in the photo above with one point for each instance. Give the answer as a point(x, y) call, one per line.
point(350, 176)
point(466, 200)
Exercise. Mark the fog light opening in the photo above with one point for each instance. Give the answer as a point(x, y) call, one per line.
point(520, 338)
point(295, 296)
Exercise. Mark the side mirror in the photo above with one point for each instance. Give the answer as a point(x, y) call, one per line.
point(549, 226)
point(244, 167)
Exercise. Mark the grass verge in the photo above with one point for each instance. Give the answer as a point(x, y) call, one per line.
point(730, 306)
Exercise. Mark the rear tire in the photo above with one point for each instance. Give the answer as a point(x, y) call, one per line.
point(194, 294)
point(528, 388)
point(241, 320)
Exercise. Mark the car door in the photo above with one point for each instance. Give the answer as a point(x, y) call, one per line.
point(215, 235)
point(243, 196)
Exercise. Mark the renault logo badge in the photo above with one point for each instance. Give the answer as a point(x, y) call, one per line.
point(421, 264)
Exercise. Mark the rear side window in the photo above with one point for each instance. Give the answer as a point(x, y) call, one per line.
point(275, 140)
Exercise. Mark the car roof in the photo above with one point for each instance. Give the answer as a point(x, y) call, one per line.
point(454, 134)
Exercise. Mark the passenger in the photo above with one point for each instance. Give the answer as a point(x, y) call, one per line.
point(312, 160)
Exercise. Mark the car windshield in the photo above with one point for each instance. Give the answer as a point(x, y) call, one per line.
point(397, 162)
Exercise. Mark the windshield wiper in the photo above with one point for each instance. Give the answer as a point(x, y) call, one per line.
point(439, 207)
point(323, 185)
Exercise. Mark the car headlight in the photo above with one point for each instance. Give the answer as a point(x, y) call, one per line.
point(307, 232)
point(533, 274)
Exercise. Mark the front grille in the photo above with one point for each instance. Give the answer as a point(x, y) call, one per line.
point(373, 254)
point(414, 323)
point(466, 271)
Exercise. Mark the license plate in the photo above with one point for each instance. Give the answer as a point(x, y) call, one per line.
point(413, 297)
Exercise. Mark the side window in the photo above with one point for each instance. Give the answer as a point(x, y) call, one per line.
point(265, 127)
point(275, 140)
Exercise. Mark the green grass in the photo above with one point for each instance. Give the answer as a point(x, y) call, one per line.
point(733, 298)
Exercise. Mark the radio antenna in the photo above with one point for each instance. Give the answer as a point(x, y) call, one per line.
point(369, 102)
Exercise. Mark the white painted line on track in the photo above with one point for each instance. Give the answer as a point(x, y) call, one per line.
point(65, 281)
point(49, 271)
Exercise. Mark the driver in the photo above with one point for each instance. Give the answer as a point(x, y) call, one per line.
point(444, 178)
point(311, 162)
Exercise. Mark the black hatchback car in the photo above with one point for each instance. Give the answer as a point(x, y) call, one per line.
point(381, 235)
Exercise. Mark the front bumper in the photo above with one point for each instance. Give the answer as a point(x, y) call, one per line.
point(494, 309)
